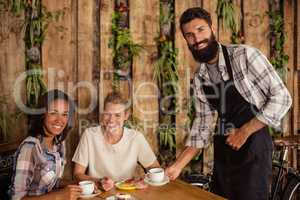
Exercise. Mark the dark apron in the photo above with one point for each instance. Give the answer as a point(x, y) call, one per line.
point(242, 174)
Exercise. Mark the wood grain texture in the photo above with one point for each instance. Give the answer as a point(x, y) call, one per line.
point(144, 27)
point(295, 112)
point(12, 65)
point(175, 190)
point(211, 7)
point(59, 54)
point(298, 36)
point(288, 126)
point(87, 91)
point(187, 67)
point(106, 62)
point(297, 102)
point(59, 48)
point(256, 24)
point(297, 57)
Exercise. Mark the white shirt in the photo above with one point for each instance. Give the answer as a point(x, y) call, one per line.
point(117, 161)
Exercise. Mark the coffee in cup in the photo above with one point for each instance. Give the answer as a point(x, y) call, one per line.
point(87, 187)
point(156, 174)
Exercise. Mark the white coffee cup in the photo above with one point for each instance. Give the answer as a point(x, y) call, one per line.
point(156, 174)
point(87, 187)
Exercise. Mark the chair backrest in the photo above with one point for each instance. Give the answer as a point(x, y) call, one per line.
point(7, 151)
point(4, 186)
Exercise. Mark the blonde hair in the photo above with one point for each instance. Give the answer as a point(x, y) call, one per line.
point(115, 98)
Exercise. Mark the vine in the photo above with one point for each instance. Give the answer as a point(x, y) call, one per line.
point(37, 19)
point(122, 45)
point(166, 75)
point(226, 12)
point(277, 37)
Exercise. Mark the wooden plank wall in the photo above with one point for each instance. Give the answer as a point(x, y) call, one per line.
point(106, 64)
point(143, 23)
point(12, 65)
point(60, 59)
point(87, 92)
point(256, 24)
point(297, 63)
point(295, 122)
point(289, 49)
point(290, 128)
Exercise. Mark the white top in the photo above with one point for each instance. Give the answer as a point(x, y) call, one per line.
point(117, 161)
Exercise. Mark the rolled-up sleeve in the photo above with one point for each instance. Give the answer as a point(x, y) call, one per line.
point(202, 129)
point(264, 79)
point(24, 168)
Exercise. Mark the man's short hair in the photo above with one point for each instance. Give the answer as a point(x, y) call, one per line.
point(115, 98)
point(193, 13)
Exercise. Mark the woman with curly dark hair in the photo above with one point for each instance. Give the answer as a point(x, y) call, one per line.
point(40, 159)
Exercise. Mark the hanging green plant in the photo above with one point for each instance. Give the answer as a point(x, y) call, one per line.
point(166, 67)
point(123, 48)
point(166, 136)
point(166, 75)
point(226, 12)
point(279, 58)
point(37, 19)
point(134, 123)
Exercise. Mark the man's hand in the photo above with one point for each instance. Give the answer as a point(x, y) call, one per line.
point(236, 138)
point(107, 183)
point(173, 172)
point(183, 159)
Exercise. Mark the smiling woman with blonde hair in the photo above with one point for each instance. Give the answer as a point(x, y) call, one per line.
point(110, 152)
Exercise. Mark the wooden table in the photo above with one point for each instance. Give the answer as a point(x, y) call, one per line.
point(175, 190)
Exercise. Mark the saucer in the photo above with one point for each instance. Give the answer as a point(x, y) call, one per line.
point(113, 197)
point(148, 181)
point(85, 196)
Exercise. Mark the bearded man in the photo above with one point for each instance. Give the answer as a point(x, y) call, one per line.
point(239, 84)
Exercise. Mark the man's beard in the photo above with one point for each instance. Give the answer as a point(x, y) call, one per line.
point(207, 53)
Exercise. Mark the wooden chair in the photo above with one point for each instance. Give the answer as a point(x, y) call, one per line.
point(7, 151)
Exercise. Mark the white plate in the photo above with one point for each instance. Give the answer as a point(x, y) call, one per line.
point(85, 196)
point(148, 181)
point(114, 198)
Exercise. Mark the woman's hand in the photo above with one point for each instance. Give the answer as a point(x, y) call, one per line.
point(71, 192)
point(107, 183)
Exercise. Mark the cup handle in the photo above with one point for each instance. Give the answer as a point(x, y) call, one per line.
point(147, 175)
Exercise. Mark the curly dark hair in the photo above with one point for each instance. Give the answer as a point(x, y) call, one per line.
point(193, 13)
point(36, 121)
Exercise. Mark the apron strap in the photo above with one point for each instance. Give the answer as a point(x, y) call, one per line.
point(227, 62)
point(222, 118)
